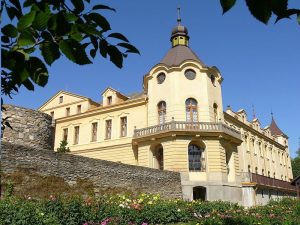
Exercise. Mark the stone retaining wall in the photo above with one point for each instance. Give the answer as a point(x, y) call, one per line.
point(30, 127)
point(103, 174)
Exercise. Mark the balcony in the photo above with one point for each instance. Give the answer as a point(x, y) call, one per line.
point(182, 126)
point(264, 181)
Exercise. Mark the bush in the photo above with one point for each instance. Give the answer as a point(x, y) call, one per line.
point(63, 147)
point(142, 210)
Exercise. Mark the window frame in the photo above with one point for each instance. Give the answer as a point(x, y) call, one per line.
point(76, 135)
point(94, 131)
point(192, 110)
point(65, 134)
point(108, 129)
point(162, 112)
point(123, 126)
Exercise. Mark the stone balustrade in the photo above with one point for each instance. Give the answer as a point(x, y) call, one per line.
point(217, 127)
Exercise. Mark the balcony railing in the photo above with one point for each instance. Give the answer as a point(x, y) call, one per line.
point(267, 181)
point(187, 126)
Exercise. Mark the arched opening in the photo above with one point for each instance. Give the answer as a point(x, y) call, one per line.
point(196, 158)
point(216, 116)
point(158, 157)
point(162, 112)
point(191, 110)
point(199, 193)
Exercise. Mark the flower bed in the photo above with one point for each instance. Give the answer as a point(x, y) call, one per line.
point(143, 210)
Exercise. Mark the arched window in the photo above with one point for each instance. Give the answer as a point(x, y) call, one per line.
point(191, 110)
point(196, 158)
point(158, 157)
point(162, 111)
point(216, 117)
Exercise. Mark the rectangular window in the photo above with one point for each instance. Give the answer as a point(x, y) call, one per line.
point(61, 99)
point(67, 111)
point(65, 134)
point(109, 100)
point(123, 126)
point(76, 135)
point(94, 131)
point(108, 129)
point(78, 108)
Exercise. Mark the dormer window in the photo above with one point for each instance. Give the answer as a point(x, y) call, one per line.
point(109, 100)
point(78, 108)
point(61, 99)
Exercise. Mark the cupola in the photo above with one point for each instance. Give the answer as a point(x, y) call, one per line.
point(179, 33)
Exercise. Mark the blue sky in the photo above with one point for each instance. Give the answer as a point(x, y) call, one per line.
point(259, 63)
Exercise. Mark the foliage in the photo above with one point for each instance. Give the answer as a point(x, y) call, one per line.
point(296, 166)
point(262, 10)
point(143, 210)
point(63, 147)
point(55, 28)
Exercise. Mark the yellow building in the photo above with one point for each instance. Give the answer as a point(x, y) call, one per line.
point(177, 123)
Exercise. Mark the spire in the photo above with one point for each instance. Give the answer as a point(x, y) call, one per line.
point(178, 16)
point(179, 33)
point(275, 130)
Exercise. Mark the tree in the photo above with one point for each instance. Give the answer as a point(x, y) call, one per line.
point(54, 28)
point(63, 147)
point(296, 163)
point(262, 10)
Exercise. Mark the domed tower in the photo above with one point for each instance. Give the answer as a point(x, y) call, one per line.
point(181, 86)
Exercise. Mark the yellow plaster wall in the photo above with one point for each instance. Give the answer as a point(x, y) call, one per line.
point(177, 88)
point(136, 116)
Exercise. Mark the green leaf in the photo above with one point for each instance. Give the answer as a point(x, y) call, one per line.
point(26, 39)
point(103, 7)
point(260, 9)
point(88, 29)
point(103, 45)
point(47, 36)
point(62, 25)
point(26, 20)
point(38, 71)
point(298, 18)
point(27, 83)
point(118, 36)
point(12, 12)
point(130, 48)
point(9, 30)
point(279, 7)
point(65, 47)
point(41, 20)
point(71, 17)
point(74, 51)
point(227, 4)
point(78, 4)
point(100, 21)
point(115, 55)
point(50, 52)
point(17, 4)
point(93, 53)
point(75, 34)
point(5, 39)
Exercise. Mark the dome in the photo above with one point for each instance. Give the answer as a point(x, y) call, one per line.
point(179, 30)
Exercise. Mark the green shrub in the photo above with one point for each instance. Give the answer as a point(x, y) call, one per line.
point(144, 209)
point(63, 147)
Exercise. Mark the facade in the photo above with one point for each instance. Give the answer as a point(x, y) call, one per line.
point(178, 123)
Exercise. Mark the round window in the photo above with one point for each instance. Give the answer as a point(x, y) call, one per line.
point(161, 78)
point(190, 74)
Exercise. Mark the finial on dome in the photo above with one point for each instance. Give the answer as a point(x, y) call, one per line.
point(179, 33)
point(178, 16)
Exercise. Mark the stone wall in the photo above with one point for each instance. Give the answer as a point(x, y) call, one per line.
point(30, 127)
point(104, 175)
